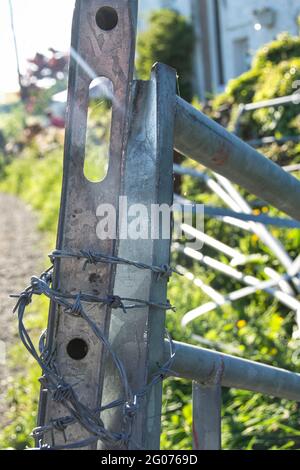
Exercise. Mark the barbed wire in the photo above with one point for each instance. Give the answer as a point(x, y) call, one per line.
point(53, 381)
point(93, 258)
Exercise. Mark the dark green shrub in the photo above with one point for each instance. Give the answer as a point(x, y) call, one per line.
point(169, 39)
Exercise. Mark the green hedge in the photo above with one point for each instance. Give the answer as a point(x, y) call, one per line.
point(285, 47)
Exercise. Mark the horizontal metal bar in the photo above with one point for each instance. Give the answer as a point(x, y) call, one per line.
point(291, 168)
point(183, 170)
point(202, 139)
point(221, 212)
point(273, 140)
point(261, 218)
point(202, 365)
point(281, 101)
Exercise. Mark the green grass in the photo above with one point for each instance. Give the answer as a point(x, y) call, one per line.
point(37, 180)
point(23, 385)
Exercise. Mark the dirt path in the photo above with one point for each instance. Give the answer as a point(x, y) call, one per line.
point(21, 256)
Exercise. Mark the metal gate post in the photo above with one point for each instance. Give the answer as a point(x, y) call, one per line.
point(138, 336)
point(103, 43)
point(207, 404)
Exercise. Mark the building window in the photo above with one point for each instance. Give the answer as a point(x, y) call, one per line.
point(241, 55)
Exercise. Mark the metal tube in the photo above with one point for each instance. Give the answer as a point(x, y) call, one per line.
point(207, 405)
point(221, 213)
point(202, 365)
point(281, 101)
point(291, 168)
point(272, 140)
point(200, 138)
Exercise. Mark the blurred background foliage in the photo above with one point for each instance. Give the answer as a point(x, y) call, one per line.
point(169, 40)
point(257, 327)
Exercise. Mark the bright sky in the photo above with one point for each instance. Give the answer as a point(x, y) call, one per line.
point(39, 24)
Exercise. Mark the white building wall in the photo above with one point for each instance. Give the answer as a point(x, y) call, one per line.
point(237, 24)
point(237, 31)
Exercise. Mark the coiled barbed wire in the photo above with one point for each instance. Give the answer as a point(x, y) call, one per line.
point(65, 393)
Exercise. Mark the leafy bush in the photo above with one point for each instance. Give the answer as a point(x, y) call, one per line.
point(285, 47)
point(12, 121)
point(275, 73)
point(276, 81)
point(169, 39)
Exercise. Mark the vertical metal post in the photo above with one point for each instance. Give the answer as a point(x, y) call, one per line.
point(207, 403)
point(138, 336)
point(103, 44)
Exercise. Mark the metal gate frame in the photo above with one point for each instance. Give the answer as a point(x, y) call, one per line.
point(113, 394)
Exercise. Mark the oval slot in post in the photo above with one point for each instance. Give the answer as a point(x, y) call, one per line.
point(99, 118)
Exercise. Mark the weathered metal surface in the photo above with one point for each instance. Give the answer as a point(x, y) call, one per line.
point(200, 138)
point(103, 53)
point(201, 365)
point(207, 405)
point(138, 337)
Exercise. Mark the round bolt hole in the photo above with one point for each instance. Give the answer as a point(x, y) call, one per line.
point(77, 349)
point(106, 18)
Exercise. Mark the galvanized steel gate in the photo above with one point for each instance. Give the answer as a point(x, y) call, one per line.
point(124, 354)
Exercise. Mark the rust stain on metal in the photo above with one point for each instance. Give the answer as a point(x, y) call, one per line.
point(221, 156)
point(195, 437)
